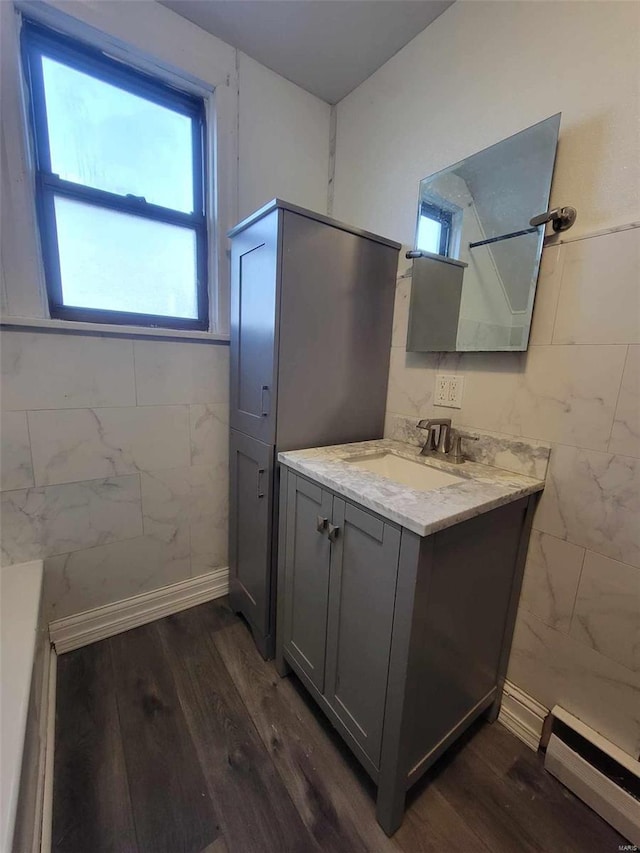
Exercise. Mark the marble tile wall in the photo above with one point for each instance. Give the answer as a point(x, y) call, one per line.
point(114, 457)
point(577, 640)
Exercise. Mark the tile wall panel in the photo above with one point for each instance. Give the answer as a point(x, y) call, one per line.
point(114, 462)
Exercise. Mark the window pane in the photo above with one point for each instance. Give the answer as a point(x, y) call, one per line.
point(104, 137)
point(429, 235)
point(118, 262)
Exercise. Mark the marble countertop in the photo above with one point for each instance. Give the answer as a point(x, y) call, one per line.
point(424, 512)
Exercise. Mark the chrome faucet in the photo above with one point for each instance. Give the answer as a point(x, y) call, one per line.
point(447, 444)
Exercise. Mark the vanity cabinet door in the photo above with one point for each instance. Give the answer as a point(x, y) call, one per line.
point(307, 576)
point(364, 567)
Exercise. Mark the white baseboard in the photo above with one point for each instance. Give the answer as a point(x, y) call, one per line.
point(522, 715)
point(72, 632)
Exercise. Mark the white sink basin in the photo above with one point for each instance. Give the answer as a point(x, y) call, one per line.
point(412, 474)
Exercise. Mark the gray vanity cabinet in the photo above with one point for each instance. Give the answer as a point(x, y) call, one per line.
point(402, 640)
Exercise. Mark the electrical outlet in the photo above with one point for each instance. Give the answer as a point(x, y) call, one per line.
point(456, 387)
point(441, 395)
point(448, 390)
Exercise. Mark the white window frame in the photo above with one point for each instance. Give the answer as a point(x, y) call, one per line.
point(153, 39)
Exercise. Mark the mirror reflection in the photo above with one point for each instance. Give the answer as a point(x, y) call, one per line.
point(478, 212)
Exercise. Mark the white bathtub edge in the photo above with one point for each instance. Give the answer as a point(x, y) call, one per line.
point(20, 594)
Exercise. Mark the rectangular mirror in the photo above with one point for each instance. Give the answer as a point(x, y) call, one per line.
point(477, 212)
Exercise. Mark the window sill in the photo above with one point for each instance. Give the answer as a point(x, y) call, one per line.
point(107, 329)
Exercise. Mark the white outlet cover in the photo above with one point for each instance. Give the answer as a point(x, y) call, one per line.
point(456, 387)
point(441, 394)
point(448, 390)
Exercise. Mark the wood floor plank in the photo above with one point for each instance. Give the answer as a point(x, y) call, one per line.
point(256, 813)
point(91, 805)
point(333, 804)
point(218, 846)
point(432, 825)
point(547, 809)
point(171, 805)
point(217, 613)
point(487, 801)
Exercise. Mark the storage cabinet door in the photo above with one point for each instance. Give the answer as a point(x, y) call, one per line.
point(307, 576)
point(254, 293)
point(364, 564)
point(251, 488)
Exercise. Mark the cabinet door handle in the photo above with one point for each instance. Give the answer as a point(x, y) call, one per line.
point(264, 406)
point(259, 489)
point(333, 532)
point(321, 524)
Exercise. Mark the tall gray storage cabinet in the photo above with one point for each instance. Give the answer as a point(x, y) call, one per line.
point(311, 317)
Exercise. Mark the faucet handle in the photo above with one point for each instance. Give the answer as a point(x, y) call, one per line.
point(457, 455)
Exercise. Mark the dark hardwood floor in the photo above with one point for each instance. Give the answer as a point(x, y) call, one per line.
point(178, 737)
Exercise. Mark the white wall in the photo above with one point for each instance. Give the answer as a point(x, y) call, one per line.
point(284, 141)
point(483, 71)
point(114, 449)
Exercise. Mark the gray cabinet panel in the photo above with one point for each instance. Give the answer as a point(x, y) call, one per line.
point(335, 334)
point(461, 610)
point(364, 561)
point(254, 293)
point(250, 525)
point(307, 576)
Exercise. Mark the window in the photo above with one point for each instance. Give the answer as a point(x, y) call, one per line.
point(434, 229)
point(120, 188)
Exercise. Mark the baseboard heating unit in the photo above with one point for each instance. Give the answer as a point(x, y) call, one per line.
point(597, 771)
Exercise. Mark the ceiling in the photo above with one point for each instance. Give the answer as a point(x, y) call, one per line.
point(326, 46)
